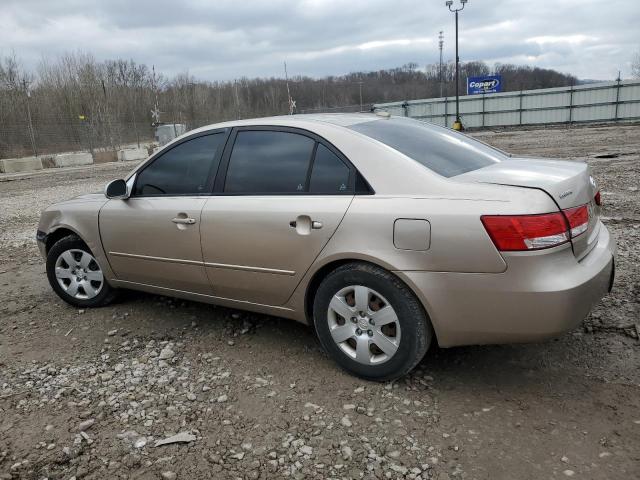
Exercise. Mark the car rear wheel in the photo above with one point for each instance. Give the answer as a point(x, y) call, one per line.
point(370, 323)
point(75, 275)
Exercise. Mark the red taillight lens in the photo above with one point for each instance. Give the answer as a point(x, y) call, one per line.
point(532, 232)
point(578, 219)
point(526, 232)
point(597, 198)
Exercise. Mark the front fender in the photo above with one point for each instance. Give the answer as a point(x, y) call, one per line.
point(80, 218)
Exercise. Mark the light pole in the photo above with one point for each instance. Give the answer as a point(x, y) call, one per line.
point(457, 125)
point(440, 45)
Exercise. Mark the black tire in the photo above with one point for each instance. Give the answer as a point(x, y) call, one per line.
point(106, 295)
point(415, 327)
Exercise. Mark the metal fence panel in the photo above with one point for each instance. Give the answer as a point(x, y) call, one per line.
point(597, 102)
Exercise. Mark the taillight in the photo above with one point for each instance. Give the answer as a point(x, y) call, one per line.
point(597, 198)
point(578, 219)
point(526, 232)
point(511, 233)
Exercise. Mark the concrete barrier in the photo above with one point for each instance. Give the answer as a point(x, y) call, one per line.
point(16, 165)
point(72, 159)
point(104, 157)
point(132, 154)
point(48, 161)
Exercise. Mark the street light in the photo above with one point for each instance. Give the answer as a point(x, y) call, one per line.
point(457, 125)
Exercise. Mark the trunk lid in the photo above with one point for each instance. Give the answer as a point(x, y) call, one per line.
point(569, 184)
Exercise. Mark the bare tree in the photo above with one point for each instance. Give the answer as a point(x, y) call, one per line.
point(79, 103)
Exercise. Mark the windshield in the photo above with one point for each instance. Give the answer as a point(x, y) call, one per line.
point(446, 152)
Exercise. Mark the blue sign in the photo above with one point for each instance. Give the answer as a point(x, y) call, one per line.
point(486, 84)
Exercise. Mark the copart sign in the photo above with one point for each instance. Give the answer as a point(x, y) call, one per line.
point(487, 84)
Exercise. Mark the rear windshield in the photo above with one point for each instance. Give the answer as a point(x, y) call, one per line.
point(446, 152)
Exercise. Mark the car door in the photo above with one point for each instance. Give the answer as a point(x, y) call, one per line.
point(153, 237)
point(279, 198)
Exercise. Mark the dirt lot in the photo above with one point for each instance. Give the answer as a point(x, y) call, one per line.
point(86, 394)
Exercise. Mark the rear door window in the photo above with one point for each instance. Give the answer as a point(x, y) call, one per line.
point(329, 173)
point(441, 150)
point(265, 161)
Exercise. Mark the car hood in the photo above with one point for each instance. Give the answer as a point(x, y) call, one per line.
point(86, 198)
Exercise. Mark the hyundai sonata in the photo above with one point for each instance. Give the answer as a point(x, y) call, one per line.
point(383, 233)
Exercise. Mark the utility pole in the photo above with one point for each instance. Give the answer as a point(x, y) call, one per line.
point(235, 86)
point(31, 135)
point(457, 125)
point(440, 45)
point(360, 85)
point(292, 103)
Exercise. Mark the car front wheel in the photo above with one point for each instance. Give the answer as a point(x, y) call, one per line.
point(75, 275)
point(370, 323)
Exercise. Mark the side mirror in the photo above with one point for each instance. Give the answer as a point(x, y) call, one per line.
point(117, 189)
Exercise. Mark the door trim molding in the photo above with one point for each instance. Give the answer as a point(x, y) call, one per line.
point(247, 268)
point(244, 268)
point(157, 259)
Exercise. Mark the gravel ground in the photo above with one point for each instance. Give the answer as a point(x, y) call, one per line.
point(88, 394)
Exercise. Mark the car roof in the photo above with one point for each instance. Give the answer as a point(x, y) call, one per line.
point(300, 120)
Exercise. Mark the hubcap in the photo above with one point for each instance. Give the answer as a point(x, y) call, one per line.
point(79, 274)
point(364, 325)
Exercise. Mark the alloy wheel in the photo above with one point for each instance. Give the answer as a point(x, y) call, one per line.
point(79, 274)
point(364, 325)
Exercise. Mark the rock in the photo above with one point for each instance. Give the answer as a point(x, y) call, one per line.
point(191, 396)
point(231, 343)
point(222, 399)
point(111, 333)
point(182, 437)
point(87, 424)
point(347, 452)
point(569, 473)
point(306, 450)
point(168, 475)
point(400, 469)
point(214, 458)
point(238, 456)
point(348, 406)
point(139, 443)
point(166, 353)
point(345, 422)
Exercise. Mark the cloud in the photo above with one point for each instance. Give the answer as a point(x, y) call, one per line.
point(225, 39)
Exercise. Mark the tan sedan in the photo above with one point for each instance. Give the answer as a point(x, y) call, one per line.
point(383, 233)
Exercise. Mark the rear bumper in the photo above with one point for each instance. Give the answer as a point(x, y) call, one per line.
point(540, 295)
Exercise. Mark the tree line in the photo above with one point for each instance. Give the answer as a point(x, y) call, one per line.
point(76, 102)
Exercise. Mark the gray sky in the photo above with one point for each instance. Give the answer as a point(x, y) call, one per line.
point(221, 39)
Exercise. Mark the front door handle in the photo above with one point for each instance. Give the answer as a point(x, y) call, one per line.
point(184, 221)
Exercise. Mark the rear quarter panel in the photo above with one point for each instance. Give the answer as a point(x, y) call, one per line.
point(459, 243)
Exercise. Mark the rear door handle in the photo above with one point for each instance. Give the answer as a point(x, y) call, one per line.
point(303, 224)
point(184, 221)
